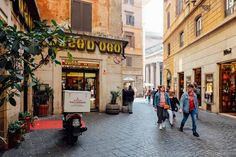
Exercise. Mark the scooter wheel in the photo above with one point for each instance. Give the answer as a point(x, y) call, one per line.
point(72, 139)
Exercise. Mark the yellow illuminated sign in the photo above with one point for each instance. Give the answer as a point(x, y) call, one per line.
point(88, 45)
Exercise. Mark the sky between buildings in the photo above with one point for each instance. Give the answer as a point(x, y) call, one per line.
point(153, 16)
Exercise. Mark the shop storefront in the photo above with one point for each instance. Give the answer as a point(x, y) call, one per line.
point(228, 86)
point(95, 66)
point(82, 77)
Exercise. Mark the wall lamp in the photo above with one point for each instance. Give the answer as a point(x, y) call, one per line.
point(204, 7)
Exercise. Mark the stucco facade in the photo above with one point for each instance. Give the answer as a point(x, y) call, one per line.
point(106, 27)
point(208, 49)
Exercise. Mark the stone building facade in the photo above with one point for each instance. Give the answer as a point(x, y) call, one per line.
point(132, 31)
point(153, 60)
point(199, 46)
point(96, 47)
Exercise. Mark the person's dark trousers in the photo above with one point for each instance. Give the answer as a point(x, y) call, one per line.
point(160, 116)
point(193, 116)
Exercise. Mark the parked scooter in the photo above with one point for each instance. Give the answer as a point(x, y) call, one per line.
point(74, 126)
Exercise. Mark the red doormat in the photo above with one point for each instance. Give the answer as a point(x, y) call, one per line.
point(46, 124)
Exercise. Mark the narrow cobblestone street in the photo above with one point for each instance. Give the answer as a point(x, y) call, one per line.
point(135, 135)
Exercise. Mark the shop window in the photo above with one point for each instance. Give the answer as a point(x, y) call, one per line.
point(188, 81)
point(130, 37)
point(198, 26)
point(130, 19)
point(228, 87)
point(129, 61)
point(181, 39)
point(208, 96)
point(181, 84)
point(81, 16)
point(229, 7)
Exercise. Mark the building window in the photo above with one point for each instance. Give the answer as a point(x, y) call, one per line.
point(168, 49)
point(130, 37)
point(128, 61)
point(131, 2)
point(179, 6)
point(81, 16)
point(198, 25)
point(229, 7)
point(168, 20)
point(181, 39)
point(130, 19)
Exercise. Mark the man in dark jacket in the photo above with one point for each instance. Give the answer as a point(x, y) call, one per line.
point(130, 99)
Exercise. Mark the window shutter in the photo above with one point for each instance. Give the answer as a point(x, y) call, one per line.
point(87, 17)
point(75, 15)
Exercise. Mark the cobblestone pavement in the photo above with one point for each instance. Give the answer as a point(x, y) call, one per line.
point(135, 135)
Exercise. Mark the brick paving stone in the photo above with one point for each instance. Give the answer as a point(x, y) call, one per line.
point(134, 135)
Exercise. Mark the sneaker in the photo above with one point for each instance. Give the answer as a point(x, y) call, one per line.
point(163, 125)
point(171, 125)
point(181, 129)
point(160, 126)
point(196, 134)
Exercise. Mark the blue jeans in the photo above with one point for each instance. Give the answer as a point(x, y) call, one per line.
point(193, 116)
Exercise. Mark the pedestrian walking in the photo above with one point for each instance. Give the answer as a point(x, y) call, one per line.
point(149, 93)
point(174, 108)
point(189, 106)
point(197, 91)
point(130, 99)
point(124, 96)
point(174, 103)
point(161, 104)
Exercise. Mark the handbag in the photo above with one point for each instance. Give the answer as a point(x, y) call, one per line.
point(166, 107)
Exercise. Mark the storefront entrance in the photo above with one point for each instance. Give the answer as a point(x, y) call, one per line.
point(82, 79)
point(198, 81)
point(228, 92)
point(181, 84)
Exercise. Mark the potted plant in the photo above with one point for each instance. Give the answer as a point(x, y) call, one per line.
point(42, 94)
point(15, 130)
point(27, 119)
point(113, 107)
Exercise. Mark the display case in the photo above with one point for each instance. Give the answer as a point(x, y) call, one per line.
point(209, 89)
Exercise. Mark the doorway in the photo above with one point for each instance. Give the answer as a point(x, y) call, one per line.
point(82, 80)
point(181, 84)
point(198, 82)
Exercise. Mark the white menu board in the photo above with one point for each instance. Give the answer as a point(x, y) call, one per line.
point(76, 101)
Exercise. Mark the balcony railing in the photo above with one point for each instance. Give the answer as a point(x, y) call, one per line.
point(230, 10)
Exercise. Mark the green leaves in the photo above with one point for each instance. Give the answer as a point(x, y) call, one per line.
point(54, 22)
point(19, 76)
point(20, 48)
point(18, 87)
point(70, 57)
point(57, 62)
point(12, 101)
point(34, 49)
